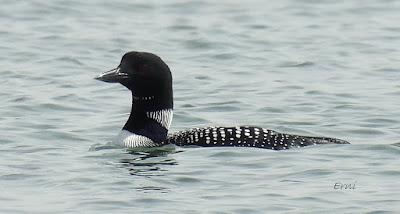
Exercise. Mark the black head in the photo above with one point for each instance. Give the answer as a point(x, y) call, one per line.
point(145, 74)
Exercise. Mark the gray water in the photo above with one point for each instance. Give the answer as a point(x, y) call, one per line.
point(325, 68)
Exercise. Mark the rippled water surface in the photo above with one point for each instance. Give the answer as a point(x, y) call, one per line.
point(326, 68)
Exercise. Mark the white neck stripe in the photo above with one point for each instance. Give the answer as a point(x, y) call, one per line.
point(163, 117)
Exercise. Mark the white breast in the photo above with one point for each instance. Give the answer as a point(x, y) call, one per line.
point(131, 140)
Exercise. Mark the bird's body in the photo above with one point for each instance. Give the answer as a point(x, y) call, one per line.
point(150, 81)
point(245, 136)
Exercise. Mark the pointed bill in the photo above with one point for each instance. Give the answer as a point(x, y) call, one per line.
point(112, 76)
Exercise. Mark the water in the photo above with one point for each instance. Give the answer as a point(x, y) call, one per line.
point(326, 68)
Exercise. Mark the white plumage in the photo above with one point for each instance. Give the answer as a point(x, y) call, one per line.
point(163, 117)
point(132, 140)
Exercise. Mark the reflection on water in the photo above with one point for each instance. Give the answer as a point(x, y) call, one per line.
point(396, 144)
point(151, 163)
point(149, 189)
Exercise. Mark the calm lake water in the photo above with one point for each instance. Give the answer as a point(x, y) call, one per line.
point(325, 68)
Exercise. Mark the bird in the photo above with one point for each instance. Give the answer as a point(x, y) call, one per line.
point(149, 79)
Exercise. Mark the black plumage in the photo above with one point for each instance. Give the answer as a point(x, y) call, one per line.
point(245, 136)
point(150, 81)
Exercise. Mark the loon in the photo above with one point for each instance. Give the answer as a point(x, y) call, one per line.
point(149, 79)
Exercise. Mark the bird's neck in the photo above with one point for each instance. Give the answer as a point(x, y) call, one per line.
point(150, 116)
